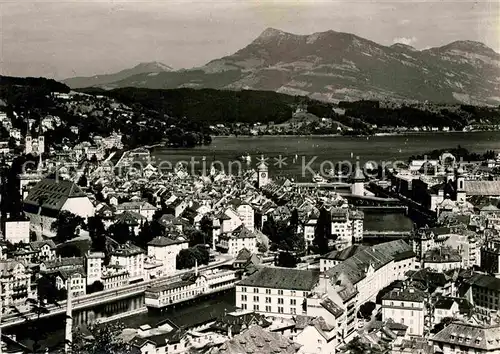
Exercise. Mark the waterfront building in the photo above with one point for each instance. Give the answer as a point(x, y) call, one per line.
point(15, 283)
point(165, 249)
point(94, 266)
point(75, 278)
point(467, 338)
point(189, 287)
point(276, 291)
point(358, 186)
point(131, 257)
point(48, 198)
point(114, 277)
point(406, 307)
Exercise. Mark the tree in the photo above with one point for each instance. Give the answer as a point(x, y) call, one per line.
point(438, 327)
point(366, 310)
point(187, 257)
point(95, 287)
point(206, 225)
point(356, 346)
point(262, 248)
point(104, 340)
point(146, 234)
point(323, 231)
point(121, 232)
point(65, 225)
point(286, 259)
point(82, 181)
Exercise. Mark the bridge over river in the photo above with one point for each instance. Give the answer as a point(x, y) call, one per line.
point(107, 303)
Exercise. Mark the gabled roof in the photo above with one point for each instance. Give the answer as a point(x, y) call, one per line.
point(52, 194)
point(161, 241)
point(282, 278)
point(258, 341)
point(469, 335)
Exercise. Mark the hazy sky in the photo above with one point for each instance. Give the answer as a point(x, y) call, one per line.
point(65, 38)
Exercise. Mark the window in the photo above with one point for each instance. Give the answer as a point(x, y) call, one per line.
point(293, 311)
point(268, 291)
point(280, 292)
point(256, 290)
point(293, 292)
point(268, 300)
point(280, 301)
point(402, 304)
point(293, 302)
point(256, 307)
point(280, 309)
point(256, 299)
point(244, 306)
point(268, 308)
point(243, 298)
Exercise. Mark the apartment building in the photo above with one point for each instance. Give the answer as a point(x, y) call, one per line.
point(166, 249)
point(442, 259)
point(114, 277)
point(75, 279)
point(245, 212)
point(232, 243)
point(484, 294)
point(467, 338)
point(490, 256)
point(407, 307)
point(276, 291)
point(130, 257)
point(16, 231)
point(15, 283)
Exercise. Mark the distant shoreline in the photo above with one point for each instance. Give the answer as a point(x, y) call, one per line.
point(355, 136)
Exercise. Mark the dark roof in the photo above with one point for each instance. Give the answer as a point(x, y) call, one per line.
point(282, 278)
point(53, 194)
point(413, 295)
point(485, 281)
point(243, 255)
point(238, 322)
point(469, 335)
point(258, 341)
point(345, 253)
point(332, 307)
point(161, 241)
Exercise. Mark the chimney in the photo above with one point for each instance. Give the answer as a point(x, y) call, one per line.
point(196, 267)
point(69, 319)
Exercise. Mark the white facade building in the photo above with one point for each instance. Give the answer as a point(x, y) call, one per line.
point(17, 231)
point(166, 250)
point(131, 258)
point(406, 307)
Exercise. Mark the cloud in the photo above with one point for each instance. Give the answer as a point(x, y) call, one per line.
point(405, 40)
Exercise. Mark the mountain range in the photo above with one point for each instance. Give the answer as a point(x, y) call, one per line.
point(332, 66)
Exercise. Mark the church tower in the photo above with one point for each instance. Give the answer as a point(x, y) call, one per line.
point(358, 186)
point(262, 173)
point(460, 185)
point(41, 144)
point(28, 144)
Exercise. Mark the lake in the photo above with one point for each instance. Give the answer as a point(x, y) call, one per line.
point(301, 155)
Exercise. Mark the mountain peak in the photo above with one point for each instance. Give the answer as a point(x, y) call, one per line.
point(271, 32)
point(403, 47)
point(153, 66)
point(469, 46)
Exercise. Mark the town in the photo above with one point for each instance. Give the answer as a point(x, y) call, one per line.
point(101, 233)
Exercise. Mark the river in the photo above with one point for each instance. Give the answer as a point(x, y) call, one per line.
point(301, 155)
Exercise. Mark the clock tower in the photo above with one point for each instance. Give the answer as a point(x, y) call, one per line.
point(262, 173)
